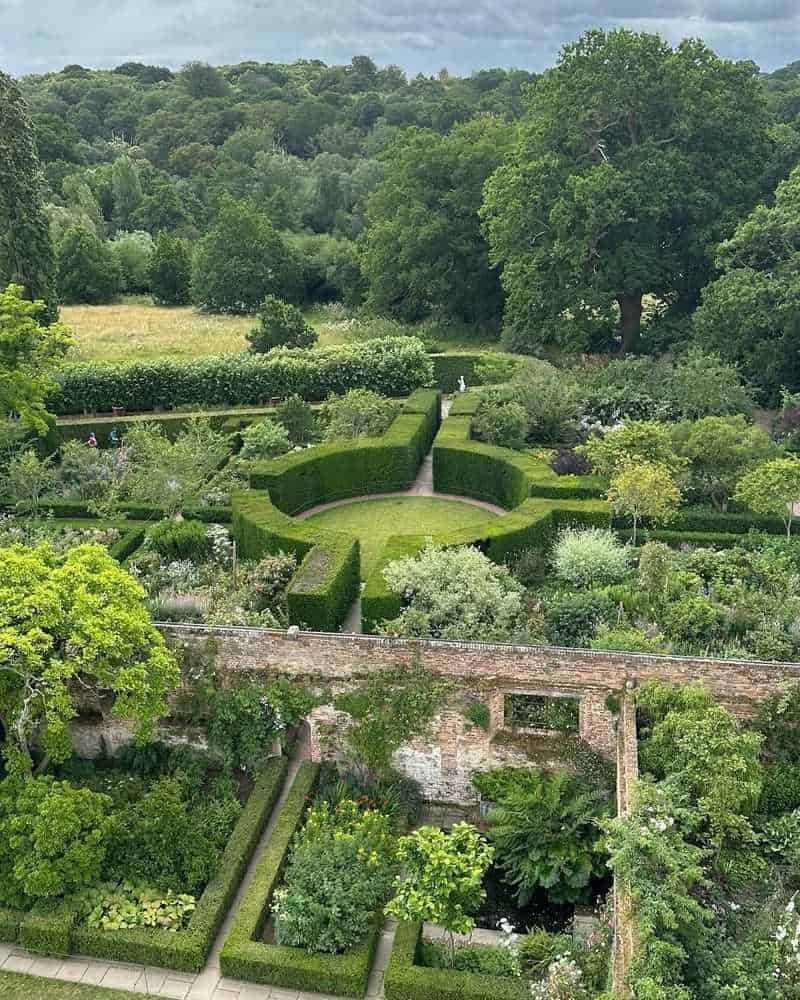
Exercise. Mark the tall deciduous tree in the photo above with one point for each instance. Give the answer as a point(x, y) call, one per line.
point(26, 253)
point(749, 313)
point(72, 622)
point(632, 159)
point(170, 270)
point(424, 250)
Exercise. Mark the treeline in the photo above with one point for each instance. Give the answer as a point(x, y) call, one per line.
point(627, 199)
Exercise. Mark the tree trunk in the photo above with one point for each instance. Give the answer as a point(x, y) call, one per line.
point(630, 320)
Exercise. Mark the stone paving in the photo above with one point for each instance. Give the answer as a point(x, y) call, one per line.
point(209, 984)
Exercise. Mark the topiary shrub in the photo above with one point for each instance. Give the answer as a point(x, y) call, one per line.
point(589, 557)
point(179, 540)
point(280, 325)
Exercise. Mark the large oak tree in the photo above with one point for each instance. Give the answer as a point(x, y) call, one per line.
point(633, 159)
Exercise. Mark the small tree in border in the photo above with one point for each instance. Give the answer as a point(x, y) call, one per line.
point(772, 488)
point(645, 489)
point(443, 878)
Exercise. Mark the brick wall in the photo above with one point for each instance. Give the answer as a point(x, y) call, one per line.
point(455, 747)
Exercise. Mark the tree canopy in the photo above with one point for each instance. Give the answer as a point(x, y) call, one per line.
point(633, 157)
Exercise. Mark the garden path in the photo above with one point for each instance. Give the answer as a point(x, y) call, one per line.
point(209, 984)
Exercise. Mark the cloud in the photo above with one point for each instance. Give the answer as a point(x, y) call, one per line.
point(417, 34)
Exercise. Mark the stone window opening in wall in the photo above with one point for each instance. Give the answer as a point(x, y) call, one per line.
point(552, 713)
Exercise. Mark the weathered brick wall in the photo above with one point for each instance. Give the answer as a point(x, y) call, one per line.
point(455, 748)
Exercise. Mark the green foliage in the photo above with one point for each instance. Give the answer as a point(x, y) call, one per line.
point(296, 415)
point(133, 252)
point(589, 557)
point(280, 325)
point(158, 841)
point(30, 479)
point(504, 424)
point(389, 709)
point(622, 216)
point(423, 248)
point(454, 593)
point(545, 833)
point(358, 413)
point(478, 714)
point(778, 722)
point(780, 792)
point(264, 439)
point(539, 948)
point(26, 252)
point(126, 906)
point(179, 540)
point(170, 270)
point(389, 366)
point(488, 960)
point(644, 489)
point(442, 879)
point(68, 615)
point(539, 711)
point(240, 261)
point(53, 839)
point(88, 269)
point(632, 444)
point(747, 313)
point(29, 351)
point(338, 875)
point(246, 719)
point(573, 619)
point(719, 450)
point(772, 488)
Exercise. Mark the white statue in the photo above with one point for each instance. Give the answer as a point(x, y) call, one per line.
point(462, 385)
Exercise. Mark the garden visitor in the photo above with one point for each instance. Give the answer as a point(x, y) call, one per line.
point(91, 441)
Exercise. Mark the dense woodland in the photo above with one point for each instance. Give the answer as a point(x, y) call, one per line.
point(635, 196)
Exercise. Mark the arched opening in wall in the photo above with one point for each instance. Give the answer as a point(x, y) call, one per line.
point(299, 741)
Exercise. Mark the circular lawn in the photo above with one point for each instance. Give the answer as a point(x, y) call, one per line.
point(374, 521)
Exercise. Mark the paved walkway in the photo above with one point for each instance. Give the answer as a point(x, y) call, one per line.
point(209, 984)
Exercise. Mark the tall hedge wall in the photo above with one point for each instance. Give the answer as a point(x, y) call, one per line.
point(393, 366)
point(344, 469)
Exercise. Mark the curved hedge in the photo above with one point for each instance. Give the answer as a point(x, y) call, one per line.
point(392, 366)
point(327, 581)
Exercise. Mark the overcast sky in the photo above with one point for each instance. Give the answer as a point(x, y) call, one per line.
point(463, 35)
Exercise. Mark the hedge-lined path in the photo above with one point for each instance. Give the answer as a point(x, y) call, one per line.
point(209, 984)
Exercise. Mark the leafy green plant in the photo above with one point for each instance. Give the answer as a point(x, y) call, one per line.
point(442, 878)
point(504, 424)
point(539, 948)
point(296, 415)
point(280, 325)
point(358, 413)
point(487, 960)
point(127, 905)
point(176, 540)
point(264, 439)
point(545, 833)
point(589, 557)
point(478, 714)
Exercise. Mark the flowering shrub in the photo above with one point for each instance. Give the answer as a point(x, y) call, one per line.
point(590, 557)
point(564, 981)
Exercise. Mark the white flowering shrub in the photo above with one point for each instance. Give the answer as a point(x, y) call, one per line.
point(564, 981)
point(589, 557)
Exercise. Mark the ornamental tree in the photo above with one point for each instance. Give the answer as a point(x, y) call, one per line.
point(644, 489)
point(633, 157)
point(29, 351)
point(26, 252)
point(74, 624)
point(719, 450)
point(442, 880)
point(772, 488)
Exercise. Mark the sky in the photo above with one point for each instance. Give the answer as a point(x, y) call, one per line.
point(462, 35)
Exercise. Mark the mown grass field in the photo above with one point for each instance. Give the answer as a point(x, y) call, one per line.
point(14, 986)
point(134, 329)
point(374, 521)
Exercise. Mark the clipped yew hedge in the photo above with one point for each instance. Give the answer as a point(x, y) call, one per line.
point(378, 602)
point(392, 366)
point(57, 932)
point(405, 980)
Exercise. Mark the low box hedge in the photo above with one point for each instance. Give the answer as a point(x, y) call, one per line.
point(56, 932)
point(405, 980)
point(392, 366)
point(246, 957)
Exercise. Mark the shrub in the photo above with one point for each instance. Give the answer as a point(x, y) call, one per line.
point(133, 252)
point(545, 834)
point(391, 367)
point(359, 413)
point(490, 960)
point(299, 420)
point(568, 462)
point(53, 838)
point(589, 557)
point(692, 619)
point(270, 578)
point(780, 792)
point(280, 325)
point(178, 540)
point(338, 875)
point(551, 399)
point(538, 948)
point(264, 439)
point(157, 840)
point(504, 424)
point(573, 619)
